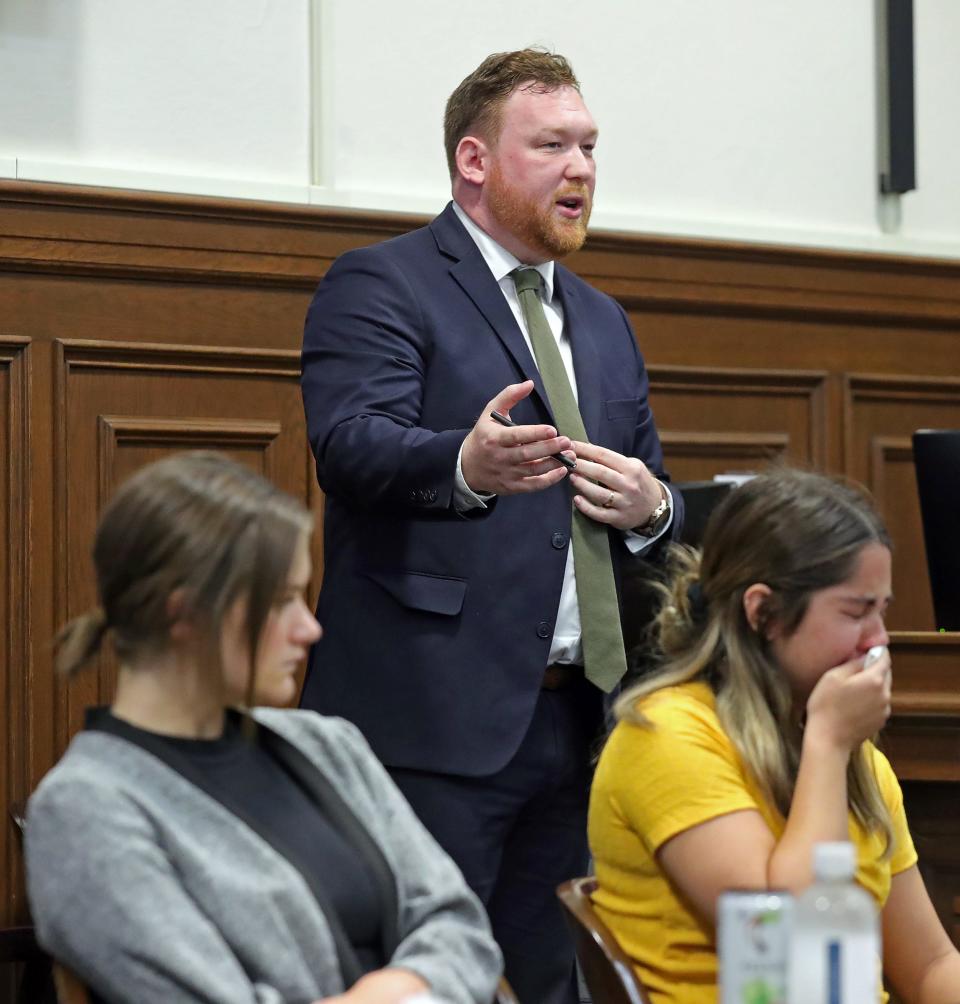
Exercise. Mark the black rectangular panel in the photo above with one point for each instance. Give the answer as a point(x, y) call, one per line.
point(898, 174)
point(936, 456)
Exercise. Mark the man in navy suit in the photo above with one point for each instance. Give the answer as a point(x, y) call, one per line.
point(449, 602)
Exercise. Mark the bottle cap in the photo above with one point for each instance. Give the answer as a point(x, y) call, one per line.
point(834, 861)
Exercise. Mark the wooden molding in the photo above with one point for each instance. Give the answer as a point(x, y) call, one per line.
point(746, 394)
point(760, 447)
point(110, 233)
point(906, 397)
point(119, 431)
point(891, 387)
point(767, 382)
point(79, 354)
point(15, 664)
point(885, 450)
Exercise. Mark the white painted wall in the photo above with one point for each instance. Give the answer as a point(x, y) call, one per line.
point(210, 96)
point(751, 119)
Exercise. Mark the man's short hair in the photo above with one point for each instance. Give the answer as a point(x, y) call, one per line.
point(477, 103)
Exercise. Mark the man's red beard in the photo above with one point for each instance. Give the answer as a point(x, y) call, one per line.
point(539, 227)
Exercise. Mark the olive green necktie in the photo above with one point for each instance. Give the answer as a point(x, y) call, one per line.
point(603, 654)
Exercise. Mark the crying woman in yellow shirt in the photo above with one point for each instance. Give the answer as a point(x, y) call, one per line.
point(751, 742)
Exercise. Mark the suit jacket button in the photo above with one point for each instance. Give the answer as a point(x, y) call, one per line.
point(559, 540)
point(544, 630)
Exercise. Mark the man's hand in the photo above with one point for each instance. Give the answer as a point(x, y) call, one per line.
point(505, 461)
point(612, 488)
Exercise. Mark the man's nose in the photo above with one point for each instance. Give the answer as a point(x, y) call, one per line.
point(580, 165)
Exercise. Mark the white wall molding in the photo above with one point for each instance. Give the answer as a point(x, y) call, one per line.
point(157, 181)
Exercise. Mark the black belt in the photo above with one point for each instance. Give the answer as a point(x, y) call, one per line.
point(559, 676)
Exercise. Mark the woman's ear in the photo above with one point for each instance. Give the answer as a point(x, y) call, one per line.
point(178, 619)
point(756, 608)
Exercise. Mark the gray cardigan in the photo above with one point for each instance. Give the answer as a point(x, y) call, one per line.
point(152, 891)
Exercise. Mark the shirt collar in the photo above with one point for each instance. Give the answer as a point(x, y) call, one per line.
point(499, 260)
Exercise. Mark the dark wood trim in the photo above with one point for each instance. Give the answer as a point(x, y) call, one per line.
point(173, 358)
point(292, 249)
point(18, 573)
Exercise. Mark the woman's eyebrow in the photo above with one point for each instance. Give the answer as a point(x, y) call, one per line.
point(867, 600)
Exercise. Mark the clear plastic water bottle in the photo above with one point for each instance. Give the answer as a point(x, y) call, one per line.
point(835, 946)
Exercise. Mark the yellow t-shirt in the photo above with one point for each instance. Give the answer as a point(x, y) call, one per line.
point(653, 783)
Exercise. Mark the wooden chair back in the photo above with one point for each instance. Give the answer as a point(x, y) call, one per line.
point(70, 990)
point(18, 947)
point(607, 970)
point(505, 994)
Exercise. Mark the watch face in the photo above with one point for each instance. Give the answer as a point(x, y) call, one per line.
point(660, 521)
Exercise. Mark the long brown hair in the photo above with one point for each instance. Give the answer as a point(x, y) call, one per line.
point(198, 524)
point(797, 532)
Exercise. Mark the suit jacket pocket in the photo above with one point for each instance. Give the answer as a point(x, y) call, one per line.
point(434, 594)
point(623, 408)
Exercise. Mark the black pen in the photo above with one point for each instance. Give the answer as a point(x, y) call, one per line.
point(571, 465)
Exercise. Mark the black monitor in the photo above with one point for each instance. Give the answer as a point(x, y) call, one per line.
point(700, 498)
point(936, 456)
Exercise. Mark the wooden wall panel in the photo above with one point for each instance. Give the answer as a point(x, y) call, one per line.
point(881, 414)
point(720, 420)
point(133, 324)
point(123, 405)
point(15, 583)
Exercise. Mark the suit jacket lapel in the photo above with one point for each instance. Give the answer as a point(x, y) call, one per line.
point(472, 274)
point(586, 358)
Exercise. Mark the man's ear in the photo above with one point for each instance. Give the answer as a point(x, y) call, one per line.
point(472, 159)
point(756, 608)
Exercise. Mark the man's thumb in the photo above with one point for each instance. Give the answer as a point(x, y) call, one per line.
point(511, 396)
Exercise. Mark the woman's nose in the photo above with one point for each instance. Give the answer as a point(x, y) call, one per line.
point(874, 634)
point(308, 626)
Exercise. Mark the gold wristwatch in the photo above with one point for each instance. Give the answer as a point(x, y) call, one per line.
point(658, 518)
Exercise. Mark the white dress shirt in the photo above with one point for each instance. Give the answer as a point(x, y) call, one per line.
point(565, 646)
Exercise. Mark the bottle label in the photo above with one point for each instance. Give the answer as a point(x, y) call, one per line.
point(850, 965)
point(753, 947)
point(834, 972)
point(834, 968)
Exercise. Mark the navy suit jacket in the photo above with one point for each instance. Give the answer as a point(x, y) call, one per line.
point(437, 626)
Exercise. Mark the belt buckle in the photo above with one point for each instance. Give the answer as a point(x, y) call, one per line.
point(559, 676)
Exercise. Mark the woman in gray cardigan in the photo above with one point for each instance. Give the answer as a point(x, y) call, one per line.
point(187, 851)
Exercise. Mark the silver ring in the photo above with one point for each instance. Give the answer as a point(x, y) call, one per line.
point(609, 502)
